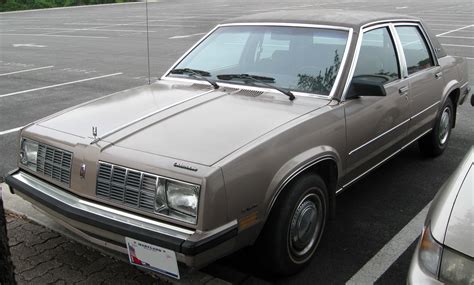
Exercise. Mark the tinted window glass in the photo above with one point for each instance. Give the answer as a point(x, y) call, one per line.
point(377, 58)
point(415, 49)
point(299, 59)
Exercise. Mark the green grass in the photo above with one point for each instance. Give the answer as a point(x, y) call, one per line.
point(14, 5)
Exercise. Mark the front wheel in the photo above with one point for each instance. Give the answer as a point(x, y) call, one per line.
point(295, 225)
point(436, 141)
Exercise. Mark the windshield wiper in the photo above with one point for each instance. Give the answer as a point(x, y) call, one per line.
point(264, 80)
point(196, 73)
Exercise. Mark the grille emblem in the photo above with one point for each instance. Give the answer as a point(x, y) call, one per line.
point(82, 171)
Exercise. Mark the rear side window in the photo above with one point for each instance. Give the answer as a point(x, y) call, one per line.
point(377, 57)
point(415, 48)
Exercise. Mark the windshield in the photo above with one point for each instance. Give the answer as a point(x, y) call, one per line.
point(296, 58)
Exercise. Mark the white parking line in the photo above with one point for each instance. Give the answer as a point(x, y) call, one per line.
point(10, 131)
point(46, 35)
point(455, 30)
point(60, 84)
point(26, 70)
point(89, 29)
point(381, 261)
point(456, 37)
point(451, 45)
point(186, 36)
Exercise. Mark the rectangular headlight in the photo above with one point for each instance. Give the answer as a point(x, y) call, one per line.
point(29, 153)
point(178, 200)
point(182, 197)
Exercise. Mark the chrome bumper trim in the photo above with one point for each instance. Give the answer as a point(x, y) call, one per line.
point(106, 212)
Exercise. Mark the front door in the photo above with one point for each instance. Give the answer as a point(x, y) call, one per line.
point(376, 126)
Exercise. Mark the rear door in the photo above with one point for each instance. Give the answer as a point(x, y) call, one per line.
point(424, 76)
point(376, 126)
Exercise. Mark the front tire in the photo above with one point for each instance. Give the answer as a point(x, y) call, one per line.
point(436, 141)
point(295, 225)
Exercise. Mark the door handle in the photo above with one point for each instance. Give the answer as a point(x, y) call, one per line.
point(403, 90)
point(438, 75)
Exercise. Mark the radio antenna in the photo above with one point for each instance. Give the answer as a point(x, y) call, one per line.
point(147, 43)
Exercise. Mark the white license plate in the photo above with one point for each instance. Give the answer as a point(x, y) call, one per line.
point(152, 257)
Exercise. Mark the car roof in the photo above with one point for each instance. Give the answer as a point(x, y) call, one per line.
point(334, 17)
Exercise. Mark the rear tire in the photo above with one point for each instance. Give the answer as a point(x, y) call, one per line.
point(435, 142)
point(295, 226)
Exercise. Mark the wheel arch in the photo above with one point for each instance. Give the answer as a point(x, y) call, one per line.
point(322, 160)
point(452, 91)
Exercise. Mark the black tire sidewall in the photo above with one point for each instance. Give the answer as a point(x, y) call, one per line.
point(438, 146)
point(430, 145)
point(276, 231)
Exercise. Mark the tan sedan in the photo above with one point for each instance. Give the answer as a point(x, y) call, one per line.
point(246, 140)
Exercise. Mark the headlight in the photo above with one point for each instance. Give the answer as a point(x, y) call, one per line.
point(182, 197)
point(177, 199)
point(456, 268)
point(29, 153)
point(430, 252)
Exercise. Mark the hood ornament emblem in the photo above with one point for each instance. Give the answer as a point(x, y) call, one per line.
point(94, 132)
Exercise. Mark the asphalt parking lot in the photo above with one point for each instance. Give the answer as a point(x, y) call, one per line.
point(54, 59)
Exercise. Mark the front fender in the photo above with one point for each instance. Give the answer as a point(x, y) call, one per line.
point(294, 167)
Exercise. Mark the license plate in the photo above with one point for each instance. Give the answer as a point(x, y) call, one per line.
point(152, 257)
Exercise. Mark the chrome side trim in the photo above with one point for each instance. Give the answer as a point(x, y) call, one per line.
point(400, 53)
point(293, 175)
point(379, 136)
point(404, 122)
point(146, 116)
point(424, 110)
point(381, 162)
point(301, 25)
point(106, 212)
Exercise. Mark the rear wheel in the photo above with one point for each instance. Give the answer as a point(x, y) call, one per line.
point(295, 226)
point(436, 141)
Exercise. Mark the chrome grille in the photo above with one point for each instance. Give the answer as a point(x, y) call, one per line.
point(54, 162)
point(126, 186)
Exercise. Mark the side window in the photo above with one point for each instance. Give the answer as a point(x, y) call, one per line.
point(377, 57)
point(415, 48)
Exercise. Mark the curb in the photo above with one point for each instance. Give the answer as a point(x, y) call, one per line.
point(18, 206)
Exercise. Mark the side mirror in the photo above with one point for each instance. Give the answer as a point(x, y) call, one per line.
point(360, 87)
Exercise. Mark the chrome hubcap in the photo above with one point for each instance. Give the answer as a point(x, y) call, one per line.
point(305, 225)
point(444, 126)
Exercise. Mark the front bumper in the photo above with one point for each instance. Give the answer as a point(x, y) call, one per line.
point(112, 225)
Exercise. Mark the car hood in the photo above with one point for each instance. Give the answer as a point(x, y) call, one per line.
point(460, 230)
point(189, 122)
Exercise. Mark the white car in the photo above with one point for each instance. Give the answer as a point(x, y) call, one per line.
point(445, 252)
